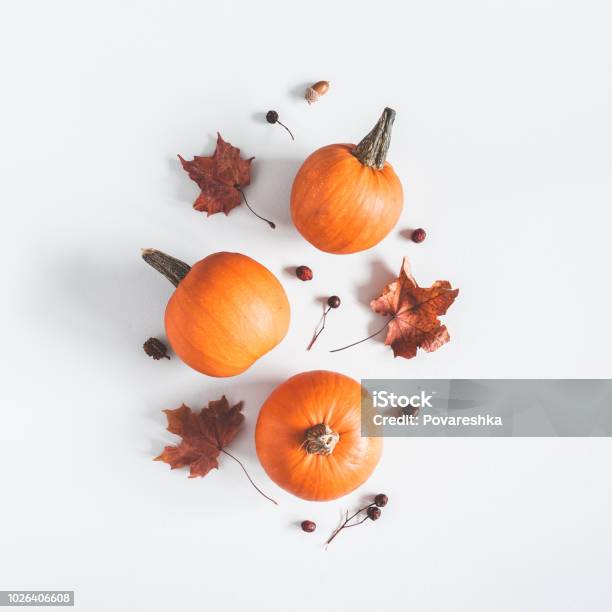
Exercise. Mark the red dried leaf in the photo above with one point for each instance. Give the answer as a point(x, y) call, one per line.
point(219, 177)
point(204, 435)
point(415, 312)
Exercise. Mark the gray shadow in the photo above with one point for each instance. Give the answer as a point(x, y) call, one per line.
point(297, 92)
point(104, 302)
point(259, 117)
point(407, 233)
point(379, 277)
point(270, 190)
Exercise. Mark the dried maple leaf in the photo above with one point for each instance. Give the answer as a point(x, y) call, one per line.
point(204, 436)
point(221, 178)
point(414, 312)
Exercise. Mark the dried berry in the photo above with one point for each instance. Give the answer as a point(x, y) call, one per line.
point(419, 235)
point(156, 348)
point(333, 301)
point(304, 273)
point(308, 526)
point(381, 500)
point(374, 513)
point(317, 90)
point(272, 117)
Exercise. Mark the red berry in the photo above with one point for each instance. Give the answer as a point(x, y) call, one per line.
point(381, 500)
point(419, 235)
point(333, 301)
point(308, 526)
point(304, 273)
point(373, 513)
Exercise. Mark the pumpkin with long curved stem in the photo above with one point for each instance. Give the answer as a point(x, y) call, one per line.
point(308, 436)
point(227, 311)
point(347, 198)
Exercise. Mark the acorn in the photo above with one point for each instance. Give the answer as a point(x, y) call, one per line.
point(314, 92)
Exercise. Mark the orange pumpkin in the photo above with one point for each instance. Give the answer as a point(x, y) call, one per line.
point(308, 436)
point(347, 198)
point(227, 311)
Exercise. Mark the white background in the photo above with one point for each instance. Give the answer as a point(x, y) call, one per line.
point(502, 141)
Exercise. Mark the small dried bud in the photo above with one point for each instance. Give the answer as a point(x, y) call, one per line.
point(317, 90)
point(308, 526)
point(411, 411)
point(373, 513)
point(272, 116)
point(333, 301)
point(419, 235)
point(155, 348)
point(304, 273)
point(381, 500)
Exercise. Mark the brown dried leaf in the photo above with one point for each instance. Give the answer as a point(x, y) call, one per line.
point(203, 434)
point(219, 177)
point(415, 312)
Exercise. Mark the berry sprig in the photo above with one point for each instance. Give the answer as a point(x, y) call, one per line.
point(372, 512)
point(332, 302)
point(272, 117)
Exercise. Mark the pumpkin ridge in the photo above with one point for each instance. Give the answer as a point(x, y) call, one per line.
point(197, 348)
point(255, 289)
point(228, 330)
point(361, 214)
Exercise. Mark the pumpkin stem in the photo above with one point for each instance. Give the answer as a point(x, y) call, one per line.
point(321, 440)
point(372, 150)
point(173, 269)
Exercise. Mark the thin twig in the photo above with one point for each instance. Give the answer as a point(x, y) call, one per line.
point(365, 518)
point(347, 520)
point(290, 134)
point(368, 338)
point(247, 475)
point(272, 225)
point(318, 333)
